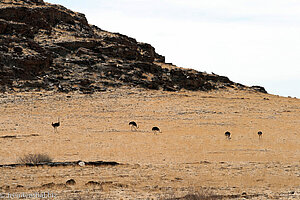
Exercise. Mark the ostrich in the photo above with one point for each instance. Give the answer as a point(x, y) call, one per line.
point(155, 129)
point(55, 125)
point(259, 133)
point(227, 134)
point(133, 126)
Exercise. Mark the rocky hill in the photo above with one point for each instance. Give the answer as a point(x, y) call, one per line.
point(48, 47)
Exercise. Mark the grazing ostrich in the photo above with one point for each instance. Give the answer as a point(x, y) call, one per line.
point(55, 125)
point(133, 126)
point(227, 134)
point(155, 129)
point(259, 133)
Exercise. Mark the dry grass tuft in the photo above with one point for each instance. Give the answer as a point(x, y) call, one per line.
point(208, 195)
point(34, 159)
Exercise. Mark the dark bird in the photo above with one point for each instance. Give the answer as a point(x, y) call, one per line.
point(155, 129)
point(227, 134)
point(55, 125)
point(259, 133)
point(133, 126)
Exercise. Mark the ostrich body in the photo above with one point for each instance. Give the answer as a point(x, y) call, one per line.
point(133, 126)
point(155, 129)
point(55, 125)
point(227, 134)
point(259, 133)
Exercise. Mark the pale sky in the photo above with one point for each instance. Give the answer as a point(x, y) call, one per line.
point(253, 42)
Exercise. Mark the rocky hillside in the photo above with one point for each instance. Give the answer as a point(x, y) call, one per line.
point(48, 47)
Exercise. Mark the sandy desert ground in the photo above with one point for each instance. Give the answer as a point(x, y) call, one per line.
point(191, 155)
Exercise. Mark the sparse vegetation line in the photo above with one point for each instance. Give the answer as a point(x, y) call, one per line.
point(57, 164)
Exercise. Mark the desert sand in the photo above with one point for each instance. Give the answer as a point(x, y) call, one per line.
point(191, 155)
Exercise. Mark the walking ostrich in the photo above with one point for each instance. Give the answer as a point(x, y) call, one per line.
point(259, 133)
point(55, 125)
point(155, 129)
point(133, 126)
point(227, 134)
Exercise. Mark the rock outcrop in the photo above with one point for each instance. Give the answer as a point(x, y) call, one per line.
point(48, 47)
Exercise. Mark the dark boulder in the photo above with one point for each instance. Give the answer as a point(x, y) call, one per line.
point(259, 89)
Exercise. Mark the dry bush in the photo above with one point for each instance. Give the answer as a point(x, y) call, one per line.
point(34, 159)
point(200, 195)
point(196, 197)
point(203, 196)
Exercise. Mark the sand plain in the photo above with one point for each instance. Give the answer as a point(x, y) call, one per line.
point(191, 155)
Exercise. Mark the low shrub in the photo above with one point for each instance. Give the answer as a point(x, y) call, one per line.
point(34, 159)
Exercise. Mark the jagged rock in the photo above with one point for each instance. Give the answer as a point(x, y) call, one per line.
point(9, 27)
point(4, 49)
point(169, 88)
point(147, 52)
point(18, 49)
point(259, 89)
point(48, 47)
